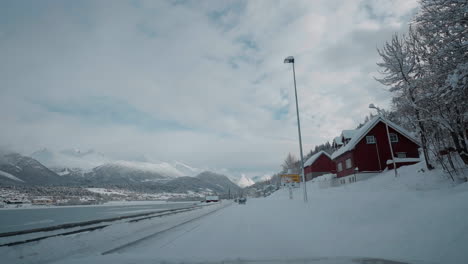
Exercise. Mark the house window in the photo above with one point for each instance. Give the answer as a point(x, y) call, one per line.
point(393, 137)
point(401, 155)
point(340, 166)
point(349, 164)
point(370, 139)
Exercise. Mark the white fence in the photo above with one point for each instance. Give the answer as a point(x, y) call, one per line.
point(330, 180)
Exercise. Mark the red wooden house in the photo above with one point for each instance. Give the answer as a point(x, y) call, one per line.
point(318, 164)
point(369, 151)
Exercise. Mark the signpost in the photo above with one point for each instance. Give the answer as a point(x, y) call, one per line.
point(291, 180)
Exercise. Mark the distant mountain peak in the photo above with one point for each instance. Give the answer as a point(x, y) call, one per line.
point(245, 181)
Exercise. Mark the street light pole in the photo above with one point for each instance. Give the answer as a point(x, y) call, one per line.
point(290, 59)
point(379, 111)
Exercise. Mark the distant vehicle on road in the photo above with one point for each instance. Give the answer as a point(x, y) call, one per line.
point(242, 200)
point(210, 199)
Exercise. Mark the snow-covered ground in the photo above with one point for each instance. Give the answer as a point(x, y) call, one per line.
point(416, 218)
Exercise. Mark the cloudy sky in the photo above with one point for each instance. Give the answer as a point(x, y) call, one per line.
point(202, 82)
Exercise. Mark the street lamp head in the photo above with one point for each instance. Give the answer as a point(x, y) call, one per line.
point(372, 106)
point(289, 59)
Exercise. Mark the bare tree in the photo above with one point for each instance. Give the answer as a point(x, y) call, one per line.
point(291, 163)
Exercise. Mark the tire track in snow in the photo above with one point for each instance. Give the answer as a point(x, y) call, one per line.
point(138, 241)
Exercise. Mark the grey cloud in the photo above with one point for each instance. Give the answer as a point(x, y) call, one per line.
point(171, 61)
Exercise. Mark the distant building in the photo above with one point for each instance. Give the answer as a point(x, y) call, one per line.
point(212, 198)
point(14, 201)
point(318, 164)
point(367, 149)
point(42, 201)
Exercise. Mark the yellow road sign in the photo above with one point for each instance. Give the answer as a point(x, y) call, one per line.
point(291, 177)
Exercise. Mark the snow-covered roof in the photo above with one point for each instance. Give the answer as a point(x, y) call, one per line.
point(338, 141)
point(314, 157)
point(403, 160)
point(361, 132)
point(348, 133)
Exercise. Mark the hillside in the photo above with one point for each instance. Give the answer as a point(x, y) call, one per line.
point(219, 181)
point(26, 170)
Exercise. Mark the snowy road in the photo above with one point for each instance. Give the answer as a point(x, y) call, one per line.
point(33, 217)
point(281, 229)
point(119, 234)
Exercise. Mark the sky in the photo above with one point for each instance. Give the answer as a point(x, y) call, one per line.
point(202, 82)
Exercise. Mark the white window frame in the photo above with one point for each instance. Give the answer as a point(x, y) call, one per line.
point(348, 163)
point(393, 137)
point(370, 139)
point(401, 155)
point(339, 166)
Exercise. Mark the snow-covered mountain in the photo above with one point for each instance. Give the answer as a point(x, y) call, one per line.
point(76, 167)
point(72, 162)
point(164, 169)
point(244, 181)
point(204, 182)
point(185, 169)
point(263, 178)
point(70, 158)
point(18, 169)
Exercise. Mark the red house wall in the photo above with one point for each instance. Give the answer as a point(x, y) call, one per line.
point(366, 156)
point(322, 165)
point(343, 159)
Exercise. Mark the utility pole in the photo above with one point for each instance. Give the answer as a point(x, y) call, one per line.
point(290, 59)
point(379, 111)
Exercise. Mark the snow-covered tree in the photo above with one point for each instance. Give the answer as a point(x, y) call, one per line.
point(427, 70)
point(291, 163)
point(402, 72)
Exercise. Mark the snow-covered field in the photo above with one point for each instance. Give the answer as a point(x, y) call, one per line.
point(416, 218)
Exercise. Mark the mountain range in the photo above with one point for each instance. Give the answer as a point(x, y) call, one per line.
point(77, 161)
point(16, 169)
